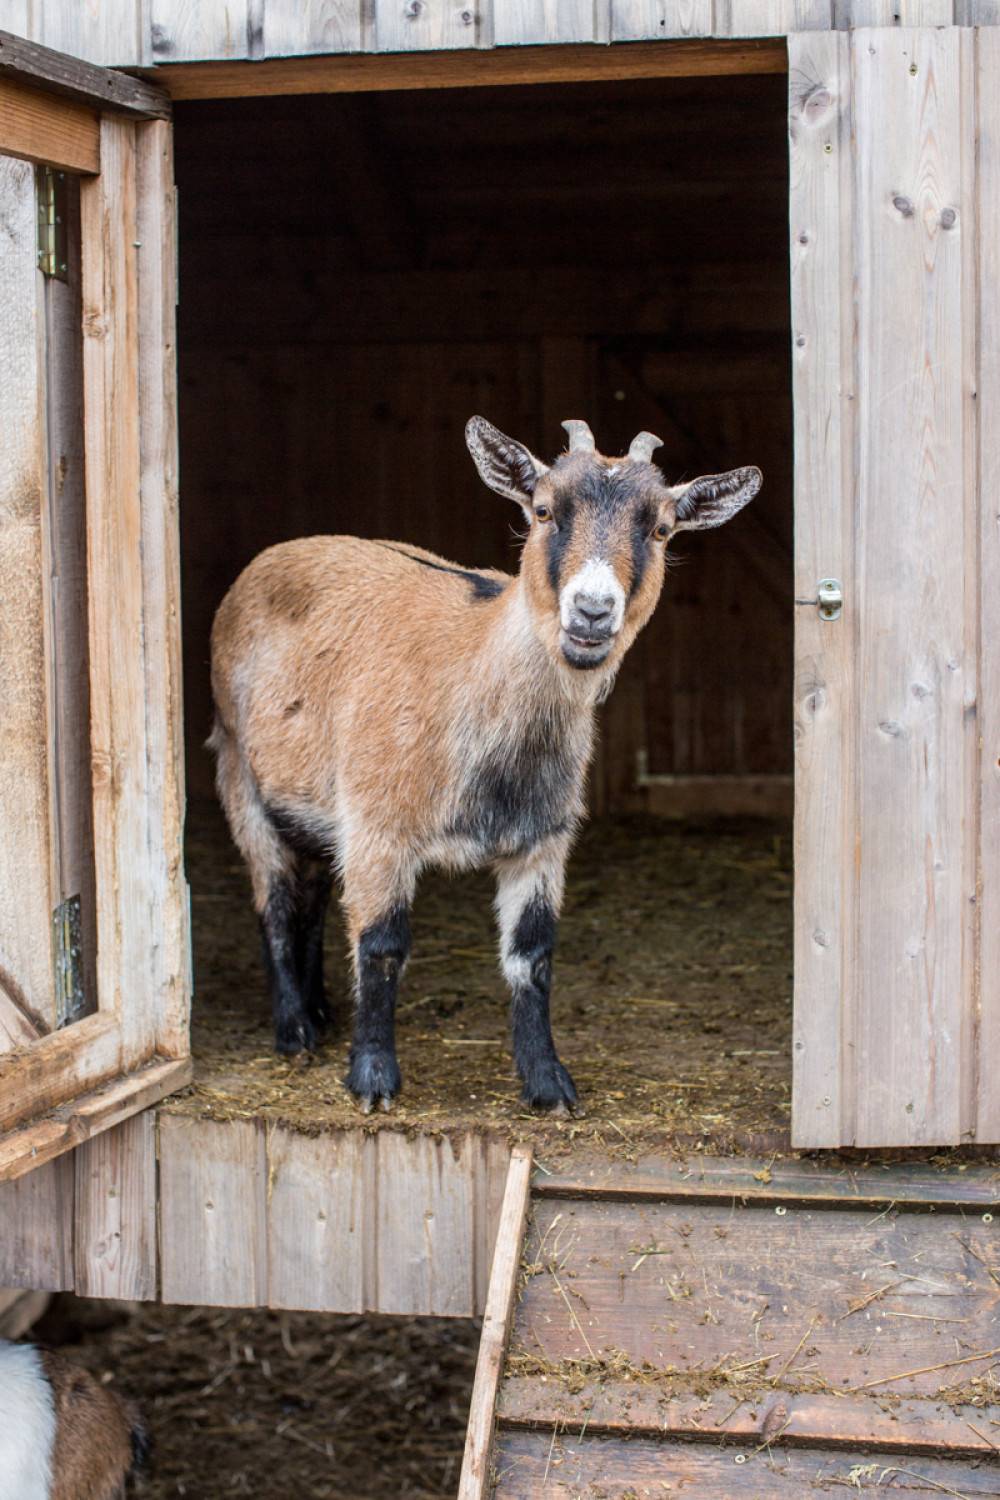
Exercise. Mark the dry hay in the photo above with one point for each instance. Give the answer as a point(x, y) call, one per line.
point(309, 1405)
point(671, 997)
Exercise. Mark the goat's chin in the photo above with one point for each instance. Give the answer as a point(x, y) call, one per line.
point(585, 657)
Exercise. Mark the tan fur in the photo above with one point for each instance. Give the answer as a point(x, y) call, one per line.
point(93, 1448)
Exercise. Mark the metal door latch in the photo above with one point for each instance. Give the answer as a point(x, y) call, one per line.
point(831, 599)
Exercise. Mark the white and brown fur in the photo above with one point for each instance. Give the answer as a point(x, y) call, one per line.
point(380, 710)
point(63, 1435)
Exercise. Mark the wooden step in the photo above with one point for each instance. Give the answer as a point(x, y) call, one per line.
point(725, 1331)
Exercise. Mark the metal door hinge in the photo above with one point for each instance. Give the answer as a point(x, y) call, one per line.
point(67, 942)
point(831, 599)
point(52, 223)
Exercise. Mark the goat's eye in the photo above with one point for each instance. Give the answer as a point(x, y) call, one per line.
point(661, 532)
point(543, 513)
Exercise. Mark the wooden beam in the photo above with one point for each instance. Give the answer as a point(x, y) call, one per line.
point(41, 68)
point(723, 1180)
point(580, 63)
point(475, 1481)
point(57, 132)
point(84, 1118)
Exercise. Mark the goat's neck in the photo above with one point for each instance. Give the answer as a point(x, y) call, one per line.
point(517, 674)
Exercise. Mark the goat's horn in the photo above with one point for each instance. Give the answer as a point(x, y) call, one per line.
point(581, 439)
point(642, 447)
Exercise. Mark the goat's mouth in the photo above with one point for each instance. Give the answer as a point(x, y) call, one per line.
point(584, 651)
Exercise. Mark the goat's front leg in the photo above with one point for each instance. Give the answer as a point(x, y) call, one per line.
point(379, 924)
point(529, 894)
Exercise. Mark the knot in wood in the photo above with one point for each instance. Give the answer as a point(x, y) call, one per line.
point(948, 218)
point(817, 103)
point(903, 206)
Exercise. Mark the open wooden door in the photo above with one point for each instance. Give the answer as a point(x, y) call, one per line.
point(94, 953)
point(895, 238)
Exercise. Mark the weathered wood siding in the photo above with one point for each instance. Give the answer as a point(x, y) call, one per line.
point(892, 893)
point(246, 1213)
point(126, 33)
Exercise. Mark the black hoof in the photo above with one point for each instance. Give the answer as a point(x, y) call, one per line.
point(550, 1089)
point(374, 1079)
point(295, 1036)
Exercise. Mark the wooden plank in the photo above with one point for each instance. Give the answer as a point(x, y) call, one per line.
point(114, 1242)
point(126, 937)
point(723, 1180)
point(772, 17)
point(490, 1186)
point(36, 1246)
point(425, 25)
point(199, 29)
point(635, 20)
point(44, 128)
point(26, 972)
point(822, 366)
point(527, 22)
point(628, 1408)
point(213, 1211)
point(912, 130)
point(16, 1027)
point(64, 523)
point(161, 585)
point(841, 1300)
point(466, 68)
point(901, 12)
point(533, 1466)
point(474, 1483)
point(54, 72)
point(88, 1115)
point(294, 28)
point(320, 1220)
point(425, 1225)
point(988, 387)
point(108, 33)
point(56, 1068)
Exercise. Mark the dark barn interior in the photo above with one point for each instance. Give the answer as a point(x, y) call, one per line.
point(361, 273)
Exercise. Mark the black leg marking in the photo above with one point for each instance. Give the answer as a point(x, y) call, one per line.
point(383, 949)
point(293, 1029)
point(312, 894)
point(547, 1084)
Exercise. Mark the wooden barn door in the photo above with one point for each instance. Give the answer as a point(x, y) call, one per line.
point(93, 941)
point(895, 241)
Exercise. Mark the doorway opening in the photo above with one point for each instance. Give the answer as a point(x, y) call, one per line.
point(359, 275)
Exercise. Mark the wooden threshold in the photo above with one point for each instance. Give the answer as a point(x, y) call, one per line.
point(83, 1118)
point(363, 72)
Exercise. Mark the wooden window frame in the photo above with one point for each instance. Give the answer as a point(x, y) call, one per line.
point(134, 1049)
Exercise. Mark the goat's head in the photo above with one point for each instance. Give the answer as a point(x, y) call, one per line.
point(595, 555)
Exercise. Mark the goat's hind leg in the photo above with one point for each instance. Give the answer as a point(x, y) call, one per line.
point(312, 896)
point(381, 948)
point(529, 893)
point(273, 869)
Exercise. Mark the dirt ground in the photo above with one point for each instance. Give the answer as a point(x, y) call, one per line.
point(671, 996)
point(286, 1406)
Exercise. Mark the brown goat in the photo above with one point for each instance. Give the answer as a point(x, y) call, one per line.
point(63, 1435)
point(380, 710)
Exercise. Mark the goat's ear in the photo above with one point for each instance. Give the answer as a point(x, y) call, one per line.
point(504, 465)
point(713, 499)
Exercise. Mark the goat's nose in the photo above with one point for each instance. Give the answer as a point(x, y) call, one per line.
point(594, 611)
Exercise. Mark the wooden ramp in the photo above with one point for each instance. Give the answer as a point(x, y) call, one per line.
point(730, 1330)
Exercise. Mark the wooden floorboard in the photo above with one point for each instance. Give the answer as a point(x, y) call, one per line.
point(843, 1299)
point(530, 1466)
